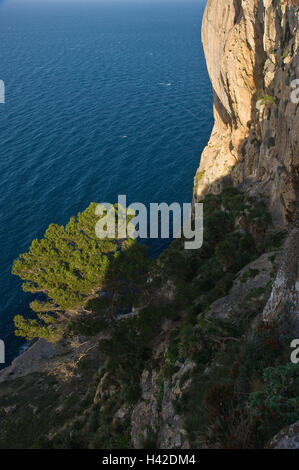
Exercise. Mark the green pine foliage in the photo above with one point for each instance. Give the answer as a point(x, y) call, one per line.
point(31, 329)
point(279, 398)
point(70, 264)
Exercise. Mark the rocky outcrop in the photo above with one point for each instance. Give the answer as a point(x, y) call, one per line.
point(285, 289)
point(145, 416)
point(288, 438)
point(35, 359)
point(255, 277)
point(251, 49)
point(155, 416)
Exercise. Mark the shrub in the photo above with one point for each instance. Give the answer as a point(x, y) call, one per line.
point(280, 397)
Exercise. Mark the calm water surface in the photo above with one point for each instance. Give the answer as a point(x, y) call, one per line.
point(101, 99)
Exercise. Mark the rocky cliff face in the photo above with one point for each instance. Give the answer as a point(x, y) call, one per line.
point(251, 49)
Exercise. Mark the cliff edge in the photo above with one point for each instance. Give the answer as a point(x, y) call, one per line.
point(251, 49)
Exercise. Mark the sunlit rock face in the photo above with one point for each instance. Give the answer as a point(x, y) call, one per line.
point(251, 49)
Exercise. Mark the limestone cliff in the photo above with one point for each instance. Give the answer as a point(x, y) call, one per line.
point(251, 49)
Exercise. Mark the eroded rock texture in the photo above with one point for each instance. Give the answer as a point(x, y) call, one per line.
point(251, 48)
point(288, 438)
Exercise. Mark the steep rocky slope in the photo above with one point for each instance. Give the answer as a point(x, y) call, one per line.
point(251, 48)
point(207, 362)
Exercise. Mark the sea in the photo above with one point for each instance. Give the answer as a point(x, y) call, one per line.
point(101, 98)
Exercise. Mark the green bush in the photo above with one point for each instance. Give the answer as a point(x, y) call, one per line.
point(280, 397)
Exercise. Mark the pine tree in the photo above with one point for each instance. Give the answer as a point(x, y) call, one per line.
point(69, 265)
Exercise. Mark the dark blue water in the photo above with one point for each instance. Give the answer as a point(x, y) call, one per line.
point(101, 99)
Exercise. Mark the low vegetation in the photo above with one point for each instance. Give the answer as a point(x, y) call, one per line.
point(241, 389)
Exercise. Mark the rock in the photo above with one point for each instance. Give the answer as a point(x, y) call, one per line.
point(253, 277)
point(285, 290)
point(152, 418)
point(34, 359)
point(9, 409)
point(172, 434)
point(100, 388)
point(246, 44)
point(148, 384)
point(121, 414)
point(144, 420)
point(33, 408)
point(170, 429)
point(59, 409)
point(145, 415)
point(288, 438)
